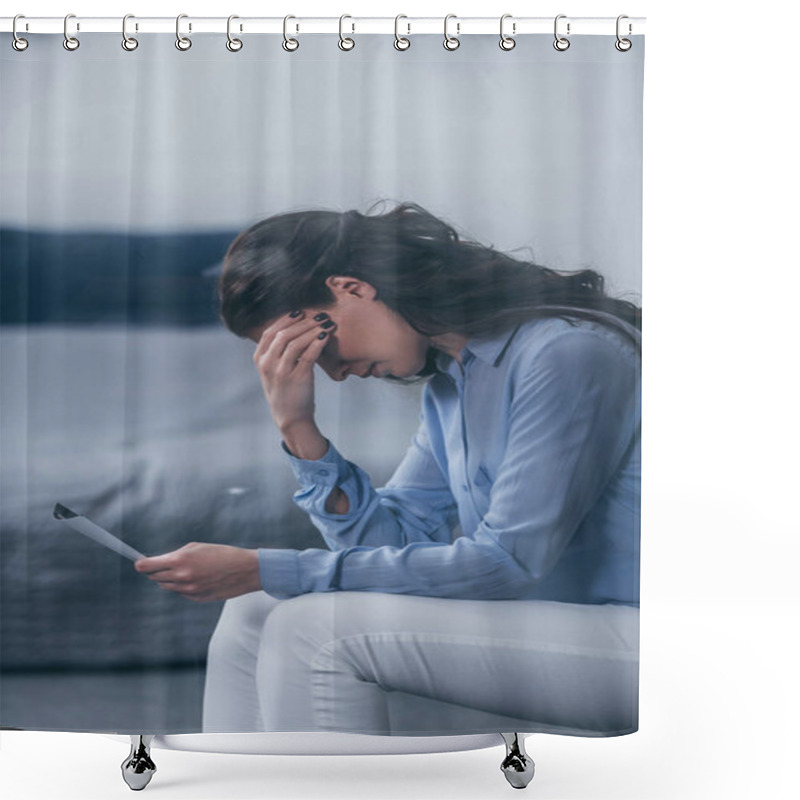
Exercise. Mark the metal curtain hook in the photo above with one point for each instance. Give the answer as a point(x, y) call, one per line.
point(182, 42)
point(18, 43)
point(234, 45)
point(561, 43)
point(346, 43)
point(623, 45)
point(70, 42)
point(289, 44)
point(128, 42)
point(506, 42)
point(401, 43)
point(451, 42)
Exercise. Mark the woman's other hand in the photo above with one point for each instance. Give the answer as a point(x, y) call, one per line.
point(285, 356)
point(204, 572)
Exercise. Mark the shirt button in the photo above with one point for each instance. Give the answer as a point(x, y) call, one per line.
point(323, 472)
point(465, 487)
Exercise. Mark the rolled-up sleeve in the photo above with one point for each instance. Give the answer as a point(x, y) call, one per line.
point(573, 414)
point(415, 505)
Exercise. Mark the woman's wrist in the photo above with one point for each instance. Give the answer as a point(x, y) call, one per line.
point(254, 571)
point(304, 440)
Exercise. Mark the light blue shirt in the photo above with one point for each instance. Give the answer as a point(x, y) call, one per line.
point(533, 448)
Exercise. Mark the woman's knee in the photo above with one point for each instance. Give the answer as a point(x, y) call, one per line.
point(298, 627)
point(242, 617)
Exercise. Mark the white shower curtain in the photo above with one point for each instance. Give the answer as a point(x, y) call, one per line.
point(453, 552)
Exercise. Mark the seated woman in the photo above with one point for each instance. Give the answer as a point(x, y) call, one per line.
point(497, 572)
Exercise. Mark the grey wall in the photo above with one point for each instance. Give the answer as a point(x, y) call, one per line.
point(524, 149)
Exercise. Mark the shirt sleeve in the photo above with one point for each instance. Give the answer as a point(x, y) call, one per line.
point(574, 413)
point(415, 505)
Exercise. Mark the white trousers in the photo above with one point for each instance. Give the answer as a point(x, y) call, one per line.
point(367, 662)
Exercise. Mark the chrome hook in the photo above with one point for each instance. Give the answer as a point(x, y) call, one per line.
point(561, 43)
point(451, 42)
point(18, 43)
point(70, 42)
point(234, 45)
point(128, 42)
point(346, 43)
point(401, 43)
point(182, 42)
point(289, 44)
point(623, 45)
point(506, 42)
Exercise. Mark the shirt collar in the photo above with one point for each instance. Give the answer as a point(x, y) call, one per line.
point(490, 348)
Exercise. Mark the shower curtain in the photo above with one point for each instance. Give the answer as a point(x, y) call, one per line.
point(438, 532)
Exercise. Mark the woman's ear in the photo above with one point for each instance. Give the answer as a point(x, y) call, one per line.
point(348, 285)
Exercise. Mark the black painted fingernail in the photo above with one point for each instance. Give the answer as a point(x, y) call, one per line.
point(322, 315)
point(295, 313)
point(329, 324)
point(322, 335)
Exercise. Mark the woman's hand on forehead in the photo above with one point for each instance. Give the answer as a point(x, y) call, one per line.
point(287, 327)
point(284, 357)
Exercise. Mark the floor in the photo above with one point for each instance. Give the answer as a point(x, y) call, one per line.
point(168, 700)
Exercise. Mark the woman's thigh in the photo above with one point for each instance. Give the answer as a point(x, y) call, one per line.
point(564, 665)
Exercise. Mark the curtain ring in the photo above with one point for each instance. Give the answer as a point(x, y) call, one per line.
point(289, 44)
point(181, 42)
point(451, 42)
point(128, 42)
point(623, 45)
point(561, 43)
point(506, 42)
point(345, 43)
point(18, 43)
point(401, 43)
point(234, 45)
point(70, 42)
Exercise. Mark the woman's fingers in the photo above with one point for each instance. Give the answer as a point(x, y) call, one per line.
point(292, 342)
point(284, 358)
point(286, 322)
point(304, 350)
point(152, 565)
point(275, 339)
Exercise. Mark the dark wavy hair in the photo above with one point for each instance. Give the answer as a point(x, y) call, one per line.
point(419, 265)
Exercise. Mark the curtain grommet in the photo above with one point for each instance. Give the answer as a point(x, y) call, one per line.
point(345, 42)
point(18, 43)
point(451, 42)
point(288, 44)
point(234, 45)
point(128, 42)
point(507, 42)
point(70, 43)
point(183, 43)
point(623, 45)
point(561, 43)
point(400, 42)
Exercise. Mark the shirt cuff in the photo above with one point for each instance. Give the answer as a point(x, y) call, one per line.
point(279, 572)
point(329, 470)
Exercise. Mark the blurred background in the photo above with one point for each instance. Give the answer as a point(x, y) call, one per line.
point(124, 179)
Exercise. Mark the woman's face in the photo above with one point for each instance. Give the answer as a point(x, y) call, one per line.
point(369, 338)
